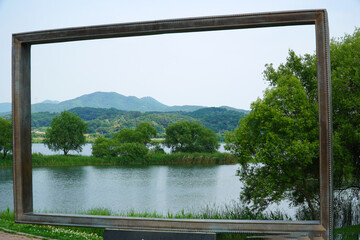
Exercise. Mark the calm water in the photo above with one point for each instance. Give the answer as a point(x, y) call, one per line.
point(122, 188)
point(125, 188)
point(41, 148)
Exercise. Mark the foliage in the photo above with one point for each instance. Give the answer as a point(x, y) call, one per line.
point(103, 147)
point(107, 121)
point(190, 158)
point(217, 119)
point(190, 137)
point(230, 211)
point(129, 144)
point(5, 137)
point(142, 134)
point(66, 132)
point(42, 119)
point(280, 136)
point(345, 76)
point(133, 152)
point(152, 158)
point(253, 139)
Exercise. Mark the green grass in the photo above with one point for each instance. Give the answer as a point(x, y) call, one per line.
point(191, 158)
point(347, 233)
point(40, 160)
point(52, 232)
point(232, 211)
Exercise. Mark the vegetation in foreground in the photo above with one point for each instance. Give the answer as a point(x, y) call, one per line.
point(234, 211)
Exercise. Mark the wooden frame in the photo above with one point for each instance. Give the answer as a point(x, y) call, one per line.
point(21, 108)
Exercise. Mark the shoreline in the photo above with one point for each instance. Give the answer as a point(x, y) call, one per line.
point(40, 160)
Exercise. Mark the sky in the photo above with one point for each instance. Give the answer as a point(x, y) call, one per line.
point(208, 68)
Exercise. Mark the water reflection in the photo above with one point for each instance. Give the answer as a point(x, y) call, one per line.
point(125, 188)
point(6, 188)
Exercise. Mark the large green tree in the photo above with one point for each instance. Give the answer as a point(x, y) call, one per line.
point(277, 147)
point(190, 137)
point(66, 132)
point(5, 137)
point(345, 76)
point(259, 138)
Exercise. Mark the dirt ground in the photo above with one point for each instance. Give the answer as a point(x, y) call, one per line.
point(11, 236)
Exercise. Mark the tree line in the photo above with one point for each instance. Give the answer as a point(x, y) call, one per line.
point(66, 132)
point(107, 122)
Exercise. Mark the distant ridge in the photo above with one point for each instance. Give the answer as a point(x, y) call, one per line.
point(51, 101)
point(5, 107)
point(109, 100)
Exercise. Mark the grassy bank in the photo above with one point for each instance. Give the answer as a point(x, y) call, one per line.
point(67, 233)
point(152, 159)
point(234, 212)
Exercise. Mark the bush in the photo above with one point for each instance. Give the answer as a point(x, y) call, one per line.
point(132, 152)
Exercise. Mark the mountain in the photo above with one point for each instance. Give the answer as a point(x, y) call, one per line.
point(50, 101)
point(5, 107)
point(108, 100)
point(103, 100)
point(218, 119)
point(236, 109)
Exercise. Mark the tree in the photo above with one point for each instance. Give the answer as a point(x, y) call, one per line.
point(103, 147)
point(142, 134)
point(129, 144)
point(190, 137)
point(345, 74)
point(345, 77)
point(135, 152)
point(66, 132)
point(5, 137)
point(280, 136)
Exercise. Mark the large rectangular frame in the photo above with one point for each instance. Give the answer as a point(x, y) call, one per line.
point(21, 108)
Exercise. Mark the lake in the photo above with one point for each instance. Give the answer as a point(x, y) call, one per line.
point(125, 188)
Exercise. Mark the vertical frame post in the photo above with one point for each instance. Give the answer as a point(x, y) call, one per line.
point(21, 117)
point(325, 122)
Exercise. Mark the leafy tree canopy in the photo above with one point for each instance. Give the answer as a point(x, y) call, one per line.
point(281, 132)
point(66, 132)
point(142, 134)
point(129, 144)
point(190, 137)
point(5, 137)
point(280, 136)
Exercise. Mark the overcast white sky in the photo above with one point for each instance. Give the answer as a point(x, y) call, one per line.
point(208, 68)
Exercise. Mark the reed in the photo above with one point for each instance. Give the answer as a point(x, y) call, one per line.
point(230, 211)
point(40, 160)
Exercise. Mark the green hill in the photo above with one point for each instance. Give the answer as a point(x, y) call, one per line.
point(107, 121)
point(217, 119)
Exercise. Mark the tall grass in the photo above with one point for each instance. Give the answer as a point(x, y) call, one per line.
point(191, 158)
point(39, 159)
point(230, 211)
